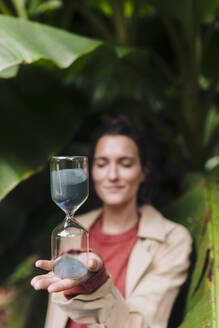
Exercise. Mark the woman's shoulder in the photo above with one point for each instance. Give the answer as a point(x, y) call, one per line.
point(155, 225)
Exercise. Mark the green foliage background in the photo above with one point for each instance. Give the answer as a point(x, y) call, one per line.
point(86, 62)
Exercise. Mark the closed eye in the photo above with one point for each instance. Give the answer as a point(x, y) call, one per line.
point(100, 162)
point(127, 162)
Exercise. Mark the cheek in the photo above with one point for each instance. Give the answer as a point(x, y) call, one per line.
point(134, 177)
point(97, 175)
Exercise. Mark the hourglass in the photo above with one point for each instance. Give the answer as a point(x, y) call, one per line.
point(69, 240)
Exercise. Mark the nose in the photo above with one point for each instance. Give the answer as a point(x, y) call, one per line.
point(113, 172)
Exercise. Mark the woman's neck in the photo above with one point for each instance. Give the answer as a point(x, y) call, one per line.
point(117, 220)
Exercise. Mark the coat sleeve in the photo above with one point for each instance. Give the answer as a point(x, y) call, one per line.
point(149, 305)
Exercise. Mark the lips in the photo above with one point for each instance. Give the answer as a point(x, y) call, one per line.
point(114, 188)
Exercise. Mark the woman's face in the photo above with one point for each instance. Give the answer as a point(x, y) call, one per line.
point(117, 171)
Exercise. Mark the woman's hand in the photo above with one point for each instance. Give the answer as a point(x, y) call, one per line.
point(53, 283)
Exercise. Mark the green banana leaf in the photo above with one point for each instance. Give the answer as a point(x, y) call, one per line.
point(46, 130)
point(24, 42)
point(198, 209)
point(34, 125)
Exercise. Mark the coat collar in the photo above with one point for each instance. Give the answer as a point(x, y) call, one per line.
point(152, 224)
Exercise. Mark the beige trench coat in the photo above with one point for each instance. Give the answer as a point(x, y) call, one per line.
point(157, 268)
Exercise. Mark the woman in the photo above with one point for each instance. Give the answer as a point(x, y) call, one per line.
point(144, 257)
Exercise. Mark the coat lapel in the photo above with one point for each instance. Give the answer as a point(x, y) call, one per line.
point(139, 261)
point(152, 227)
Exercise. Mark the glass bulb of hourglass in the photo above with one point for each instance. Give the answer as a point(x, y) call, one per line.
point(69, 190)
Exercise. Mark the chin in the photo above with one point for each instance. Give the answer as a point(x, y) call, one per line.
point(115, 202)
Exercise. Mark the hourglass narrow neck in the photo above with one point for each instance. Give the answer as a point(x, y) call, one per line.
point(71, 222)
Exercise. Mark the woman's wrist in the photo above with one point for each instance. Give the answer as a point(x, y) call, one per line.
point(95, 281)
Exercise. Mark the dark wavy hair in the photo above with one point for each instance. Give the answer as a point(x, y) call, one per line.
point(121, 125)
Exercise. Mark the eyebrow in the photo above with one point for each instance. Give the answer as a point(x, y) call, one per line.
point(120, 158)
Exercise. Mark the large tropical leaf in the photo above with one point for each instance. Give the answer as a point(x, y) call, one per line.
point(26, 42)
point(38, 117)
point(198, 209)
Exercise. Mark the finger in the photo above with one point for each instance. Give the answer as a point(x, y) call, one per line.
point(42, 281)
point(42, 276)
point(62, 284)
point(91, 260)
point(44, 264)
point(94, 265)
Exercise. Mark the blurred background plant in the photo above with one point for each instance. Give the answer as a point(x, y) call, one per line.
point(152, 60)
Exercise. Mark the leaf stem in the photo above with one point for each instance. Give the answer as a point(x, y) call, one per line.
point(119, 20)
point(19, 6)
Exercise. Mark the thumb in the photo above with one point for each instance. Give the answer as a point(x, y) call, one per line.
point(95, 263)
